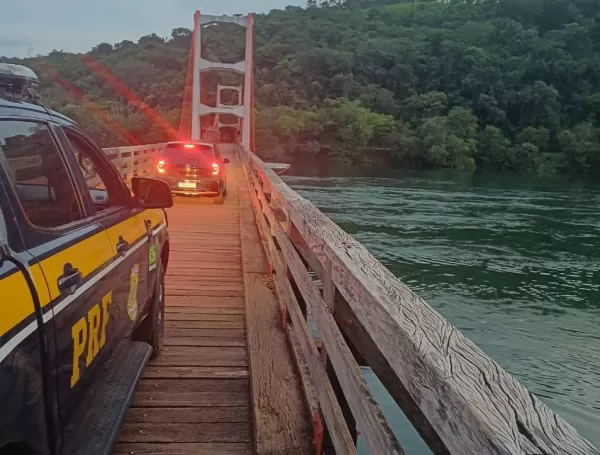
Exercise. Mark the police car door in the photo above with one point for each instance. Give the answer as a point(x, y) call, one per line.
point(125, 226)
point(23, 365)
point(71, 247)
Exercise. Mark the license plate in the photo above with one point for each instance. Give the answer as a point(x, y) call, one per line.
point(186, 184)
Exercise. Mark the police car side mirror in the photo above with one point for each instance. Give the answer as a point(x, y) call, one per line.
point(152, 193)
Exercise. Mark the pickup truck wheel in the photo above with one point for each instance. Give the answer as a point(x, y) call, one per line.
point(152, 329)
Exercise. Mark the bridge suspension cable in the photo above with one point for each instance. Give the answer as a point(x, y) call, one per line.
point(193, 107)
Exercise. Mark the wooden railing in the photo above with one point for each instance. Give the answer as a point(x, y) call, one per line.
point(133, 161)
point(130, 161)
point(457, 398)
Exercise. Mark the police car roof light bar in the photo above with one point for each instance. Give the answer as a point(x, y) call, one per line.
point(18, 81)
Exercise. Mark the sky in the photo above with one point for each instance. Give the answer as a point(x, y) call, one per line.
point(40, 26)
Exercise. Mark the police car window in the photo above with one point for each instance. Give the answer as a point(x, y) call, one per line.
point(38, 173)
point(104, 191)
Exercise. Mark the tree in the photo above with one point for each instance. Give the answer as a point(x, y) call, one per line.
point(581, 147)
point(102, 49)
point(494, 150)
point(507, 85)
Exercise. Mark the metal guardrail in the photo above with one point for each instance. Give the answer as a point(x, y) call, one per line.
point(457, 398)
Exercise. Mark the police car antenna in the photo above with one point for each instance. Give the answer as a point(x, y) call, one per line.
point(18, 83)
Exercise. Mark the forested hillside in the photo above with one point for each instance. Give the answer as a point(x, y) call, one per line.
point(504, 85)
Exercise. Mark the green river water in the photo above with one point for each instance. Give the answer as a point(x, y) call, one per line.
point(513, 263)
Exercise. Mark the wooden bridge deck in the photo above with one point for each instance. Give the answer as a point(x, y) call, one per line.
point(195, 398)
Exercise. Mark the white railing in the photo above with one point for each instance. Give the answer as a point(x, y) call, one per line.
point(132, 161)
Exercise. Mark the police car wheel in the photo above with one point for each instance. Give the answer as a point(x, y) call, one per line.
point(151, 330)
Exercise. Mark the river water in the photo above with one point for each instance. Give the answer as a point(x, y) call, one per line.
point(513, 263)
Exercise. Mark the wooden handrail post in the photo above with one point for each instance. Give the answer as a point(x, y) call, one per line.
point(131, 166)
point(329, 294)
point(329, 297)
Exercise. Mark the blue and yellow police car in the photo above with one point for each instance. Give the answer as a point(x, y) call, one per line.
point(82, 264)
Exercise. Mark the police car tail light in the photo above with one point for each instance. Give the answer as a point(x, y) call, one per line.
point(188, 146)
point(215, 167)
point(160, 166)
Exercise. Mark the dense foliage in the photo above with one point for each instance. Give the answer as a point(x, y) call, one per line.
point(500, 84)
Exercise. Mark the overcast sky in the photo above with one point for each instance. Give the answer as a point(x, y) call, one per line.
point(78, 25)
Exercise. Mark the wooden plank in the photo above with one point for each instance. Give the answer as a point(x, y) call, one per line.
point(180, 242)
point(216, 282)
point(175, 386)
point(205, 341)
point(232, 252)
point(205, 221)
point(280, 420)
point(186, 432)
point(208, 263)
point(215, 263)
point(470, 401)
point(205, 249)
point(198, 361)
point(203, 310)
point(215, 279)
point(190, 228)
point(207, 281)
point(205, 301)
point(220, 238)
point(221, 289)
point(172, 270)
point(204, 324)
point(254, 259)
point(308, 387)
point(184, 253)
point(201, 246)
point(179, 448)
point(182, 291)
point(189, 415)
point(175, 330)
point(207, 246)
point(207, 352)
point(205, 317)
point(202, 356)
point(221, 230)
point(185, 372)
